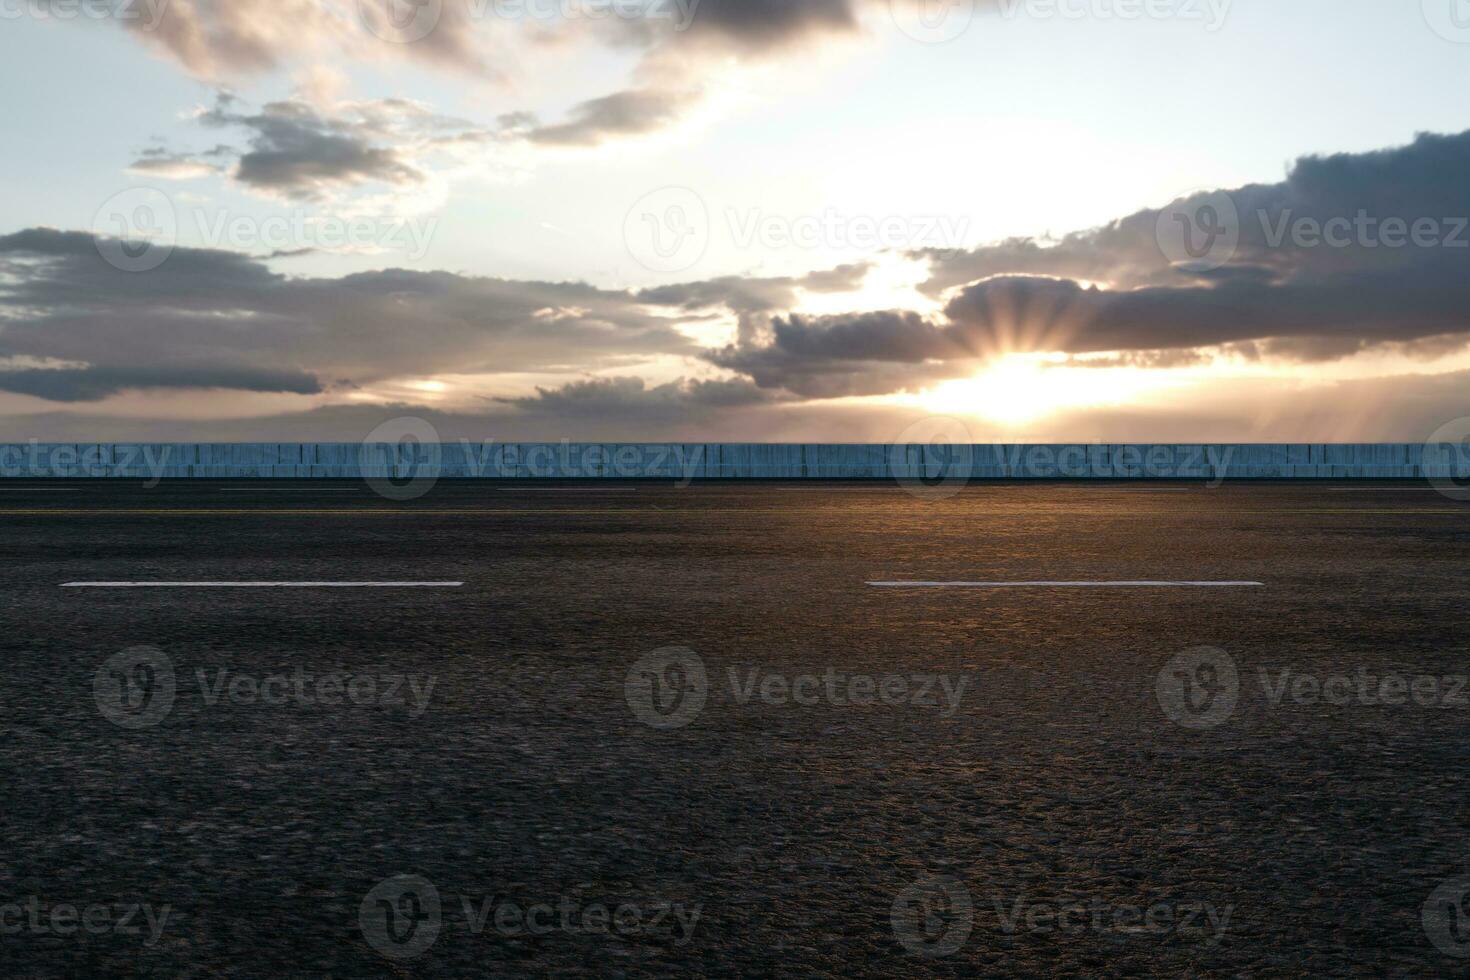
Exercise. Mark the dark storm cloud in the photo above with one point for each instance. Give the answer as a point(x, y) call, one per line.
point(210, 319)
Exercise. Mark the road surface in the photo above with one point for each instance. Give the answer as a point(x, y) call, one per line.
point(298, 729)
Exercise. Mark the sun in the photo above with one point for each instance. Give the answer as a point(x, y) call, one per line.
point(1021, 388)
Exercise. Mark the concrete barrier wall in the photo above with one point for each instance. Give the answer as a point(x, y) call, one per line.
point(690, 461)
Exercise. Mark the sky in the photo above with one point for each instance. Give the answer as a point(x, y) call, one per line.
point(735, 220)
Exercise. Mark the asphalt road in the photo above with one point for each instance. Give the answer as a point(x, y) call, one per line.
point(670, 732)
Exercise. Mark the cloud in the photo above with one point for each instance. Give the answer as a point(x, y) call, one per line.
point(214, 39)
point(678, 40)
point(296, 152)
point(842, 356)
point(753, 300)
point(743, 294)
point(1426, 179)
point(1324, 317)
point(766, 24)
point(167, 165)
point(632, 399)
point(96, 383)
point(218, 39)
point(311, 149)
point(1292, 293)
point(1370, 410)
point(216, 319)
point(631, 113)
point(75, 328)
